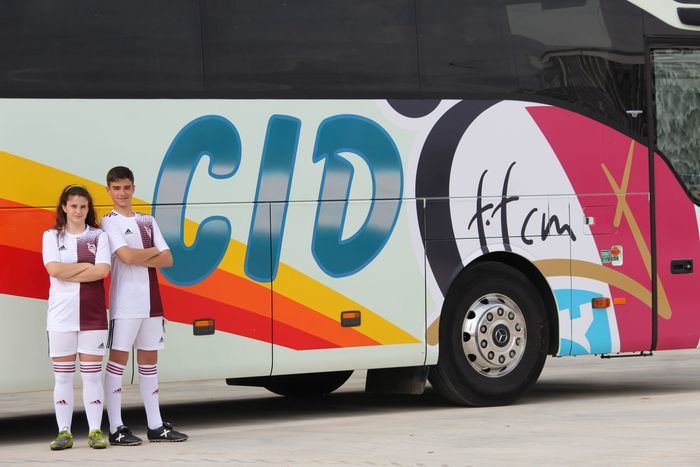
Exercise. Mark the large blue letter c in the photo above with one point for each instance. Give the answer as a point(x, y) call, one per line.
point(212, 136)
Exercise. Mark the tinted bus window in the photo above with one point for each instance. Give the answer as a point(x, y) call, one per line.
point(677, 93)
point(329, 48)
point(464, 48)
point(92, 47)
point(589, 53)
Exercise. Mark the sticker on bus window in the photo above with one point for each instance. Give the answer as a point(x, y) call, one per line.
point(605, 256)
point(616, 255)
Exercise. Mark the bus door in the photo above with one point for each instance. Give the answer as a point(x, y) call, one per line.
point(611, 269)
point(675, 128)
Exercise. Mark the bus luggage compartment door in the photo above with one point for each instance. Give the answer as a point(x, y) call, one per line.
point(338, 305)
point(611, 260)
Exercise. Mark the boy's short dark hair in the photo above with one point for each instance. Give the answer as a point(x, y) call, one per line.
point(118, 173)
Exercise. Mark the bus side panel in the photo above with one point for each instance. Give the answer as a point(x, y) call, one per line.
point(24, 288)
point(240, 307)
point(609, 172)
point(507, 193)
point(677, 239)
point(388, 292)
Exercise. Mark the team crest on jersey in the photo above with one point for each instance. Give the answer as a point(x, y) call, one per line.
point(92, 248)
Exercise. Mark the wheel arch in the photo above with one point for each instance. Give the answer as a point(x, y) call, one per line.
point(526, 267)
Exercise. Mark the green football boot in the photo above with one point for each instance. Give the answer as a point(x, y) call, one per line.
point(64, 440)
point(96, 439)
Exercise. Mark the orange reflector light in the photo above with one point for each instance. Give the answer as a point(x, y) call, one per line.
point(620, 301)
point(203, 327)
point(600, 302)
point(350, 318)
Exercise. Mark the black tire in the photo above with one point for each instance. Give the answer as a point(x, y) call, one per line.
point(307, 385)
point(453, 376)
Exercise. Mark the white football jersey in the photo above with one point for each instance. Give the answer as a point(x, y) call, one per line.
point(134, 289)
point(76, 306)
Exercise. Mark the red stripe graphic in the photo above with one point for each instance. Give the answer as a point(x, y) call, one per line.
point(27, 276)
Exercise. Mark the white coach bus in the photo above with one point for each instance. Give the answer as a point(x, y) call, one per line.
point(447, 190)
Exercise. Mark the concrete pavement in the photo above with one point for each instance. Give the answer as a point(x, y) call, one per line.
point(632, 411)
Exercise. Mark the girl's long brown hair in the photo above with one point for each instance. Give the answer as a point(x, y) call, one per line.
point(74, 190)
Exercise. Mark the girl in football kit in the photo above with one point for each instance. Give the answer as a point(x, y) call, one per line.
point(77, 257)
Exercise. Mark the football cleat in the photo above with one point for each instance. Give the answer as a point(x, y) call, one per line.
point(96, 439)
point(64, 440)
point(124, 437)
point(166, 433)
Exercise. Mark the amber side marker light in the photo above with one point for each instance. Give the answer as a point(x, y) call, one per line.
point(620, 301)
point(349, 319)
point(600, 302)
point(203, 327)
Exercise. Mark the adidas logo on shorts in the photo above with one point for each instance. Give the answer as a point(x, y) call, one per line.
point(101, 346)
point(62, 248)
point(128, 232)
point(161, 340)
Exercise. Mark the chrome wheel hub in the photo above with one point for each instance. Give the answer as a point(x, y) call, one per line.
point(494, 335)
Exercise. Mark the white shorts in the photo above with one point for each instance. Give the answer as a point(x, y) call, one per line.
point(142, 333)
point(62, 344)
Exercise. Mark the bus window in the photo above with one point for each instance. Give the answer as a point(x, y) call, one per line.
point(465, 49)
point(588, 54)
point(85, 47)
point(677, 93)
point(267, 48)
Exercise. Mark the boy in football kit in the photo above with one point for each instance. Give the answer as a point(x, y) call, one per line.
point(136, 311)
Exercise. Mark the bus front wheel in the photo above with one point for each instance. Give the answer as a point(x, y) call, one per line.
point(307, 385)
point(493, 337)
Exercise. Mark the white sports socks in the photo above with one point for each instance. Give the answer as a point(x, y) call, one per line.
point(148, 384)
point(113, 394)
point(63, 373)
point(93, 393)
